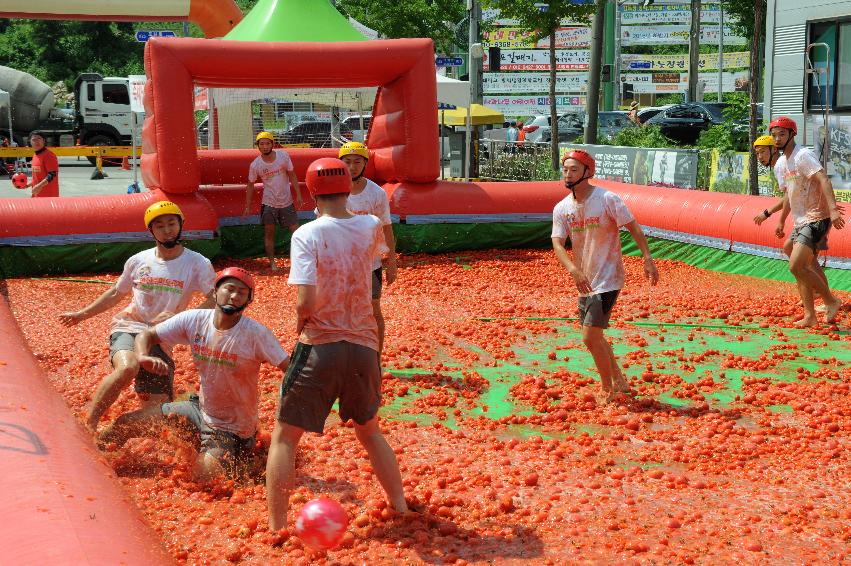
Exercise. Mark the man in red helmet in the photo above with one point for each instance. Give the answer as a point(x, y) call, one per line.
point(588, 222)
point(227, 350)
point(811, 200)
point(336, 354)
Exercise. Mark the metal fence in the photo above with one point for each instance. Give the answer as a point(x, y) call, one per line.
point(515, 161)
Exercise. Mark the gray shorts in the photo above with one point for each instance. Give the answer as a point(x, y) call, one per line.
point(595, 310)
point(812, 235)
point(286, 216)
point(377, 283)
point(319, 375)
point(226, 447)
point(146, 382)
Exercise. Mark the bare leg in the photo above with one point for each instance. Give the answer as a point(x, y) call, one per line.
point(383, 462)
point(379, 319)
point(801, 266)
point(125, 369)
point(133, 424)
point(604, 358)
point(269, 243)
point(280, 472)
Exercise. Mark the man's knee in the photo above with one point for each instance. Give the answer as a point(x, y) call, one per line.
point(286, 434)
point(368, 432)
point(591, 336)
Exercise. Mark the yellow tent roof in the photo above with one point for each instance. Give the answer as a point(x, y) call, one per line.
point(479, 115)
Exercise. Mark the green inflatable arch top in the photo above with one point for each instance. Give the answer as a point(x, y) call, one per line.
point(294, 20)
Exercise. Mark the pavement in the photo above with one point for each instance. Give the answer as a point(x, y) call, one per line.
point(75, 180)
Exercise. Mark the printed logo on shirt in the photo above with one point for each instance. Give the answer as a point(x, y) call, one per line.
point(201, 353)
point(199, 338)
point(163, 284)
point(270, 173)
point(578, 224)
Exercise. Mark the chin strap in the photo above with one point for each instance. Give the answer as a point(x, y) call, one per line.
point(230, 309)
point(572, 186)
point(170, 244)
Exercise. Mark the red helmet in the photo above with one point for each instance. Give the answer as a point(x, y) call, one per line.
point(582, 157)
point(784, 122)
point(236, 273)
point(328, 176)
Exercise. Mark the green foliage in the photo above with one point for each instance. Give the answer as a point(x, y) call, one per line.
point(532, 18)
point(54, 51)
point(743, 11)
point(529, 164)
point(645, 136)
point(673, 98)
point(411, 18)
point(717, 137)
point(738, 106)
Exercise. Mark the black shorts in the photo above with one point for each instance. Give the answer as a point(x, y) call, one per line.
point(286, 216)
point(377, 283)
point(319, 375)
point(146, 382)
point(595, 310)
point(812, 235)
point(226, 447)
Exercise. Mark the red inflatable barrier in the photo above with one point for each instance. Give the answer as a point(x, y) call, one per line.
point(61, 503)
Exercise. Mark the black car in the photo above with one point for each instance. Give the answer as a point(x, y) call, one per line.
point(316, 134)
point(683, 123)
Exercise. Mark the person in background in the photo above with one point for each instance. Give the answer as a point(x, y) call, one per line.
point(45, 167)
point(633, 113)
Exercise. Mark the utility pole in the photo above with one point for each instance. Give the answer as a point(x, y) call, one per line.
point(720, 52)
point(475, 70)
point(616, 68)
point(759, 7)
point(694, 50)
point(593, 101)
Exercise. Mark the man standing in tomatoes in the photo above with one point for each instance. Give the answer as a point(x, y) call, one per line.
point(45, 166)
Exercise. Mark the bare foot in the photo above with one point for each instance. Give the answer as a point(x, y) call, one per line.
point(807, 322)
point(832, 310)
point(619, 397)
point(821, 308)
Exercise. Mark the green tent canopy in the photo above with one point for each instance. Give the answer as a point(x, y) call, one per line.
point(294, 20)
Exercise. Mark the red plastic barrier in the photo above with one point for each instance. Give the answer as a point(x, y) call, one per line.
point(61, 503)
point(97, 214)
point(230, 166)
point(402, 136)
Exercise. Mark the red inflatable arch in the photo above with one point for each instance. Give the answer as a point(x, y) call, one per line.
point(402, 136)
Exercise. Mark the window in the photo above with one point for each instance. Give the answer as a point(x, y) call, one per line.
point(115, 94)
point(90, 92)
point(832, 88)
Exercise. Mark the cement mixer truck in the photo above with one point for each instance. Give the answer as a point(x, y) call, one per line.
point(101, 113)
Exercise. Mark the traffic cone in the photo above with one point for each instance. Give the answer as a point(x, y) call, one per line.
point(125, 163)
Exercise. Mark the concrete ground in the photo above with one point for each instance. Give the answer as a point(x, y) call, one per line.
point(75, 180)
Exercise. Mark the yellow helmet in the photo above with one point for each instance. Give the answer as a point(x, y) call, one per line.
point(353, 148)
point(264, 136)
point(161, 208)
point(764, 140)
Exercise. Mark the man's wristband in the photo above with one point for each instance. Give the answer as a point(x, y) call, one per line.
point(766, 213)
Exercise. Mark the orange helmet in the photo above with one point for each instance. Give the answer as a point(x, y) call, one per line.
point(784, 122)
point(582, 157)
point(328, 176)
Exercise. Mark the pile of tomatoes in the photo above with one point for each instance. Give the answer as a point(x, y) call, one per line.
point(734, 449)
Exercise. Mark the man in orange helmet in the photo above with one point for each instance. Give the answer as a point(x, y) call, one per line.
point(588, 222)
point(811, 201)
point(336, 354)
point(227, 350)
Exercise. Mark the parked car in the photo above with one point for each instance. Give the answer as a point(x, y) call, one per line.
point(535, 126)
point(645, 114)
point(683, 123)
point(570, 127)
point(354, 124)
point(610, 123)
point(317, 134)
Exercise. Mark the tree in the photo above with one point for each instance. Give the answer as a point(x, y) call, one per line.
point(54, 51)
point(542, 19)
point(412, 18)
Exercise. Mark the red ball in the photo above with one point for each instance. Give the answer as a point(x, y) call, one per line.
point(321, 523)
point(20, 180)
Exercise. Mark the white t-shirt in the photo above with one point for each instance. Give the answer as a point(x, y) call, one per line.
point(593, 227)
point(371, 200)
point(336, 255)
point(795, 176)
point(160, 285)
point(276, 183)
point(228, 362)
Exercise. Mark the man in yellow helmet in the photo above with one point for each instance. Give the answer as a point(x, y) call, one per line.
point(275, 168)
point(162, 280)
point(767, 156)
point(367, 197)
